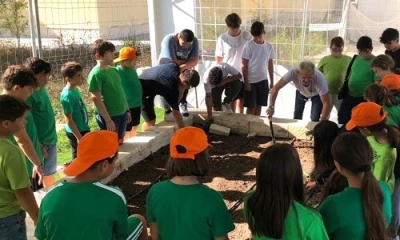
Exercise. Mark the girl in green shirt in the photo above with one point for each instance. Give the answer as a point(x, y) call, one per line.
point(276, 209)
point(362, 210)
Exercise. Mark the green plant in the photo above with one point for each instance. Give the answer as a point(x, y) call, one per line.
point(12, 18)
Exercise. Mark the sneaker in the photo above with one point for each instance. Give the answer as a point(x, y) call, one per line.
point(226, 108)
point(183, 109)
point(169, 117)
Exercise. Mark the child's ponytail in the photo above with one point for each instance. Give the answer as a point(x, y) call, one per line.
point(372, 200)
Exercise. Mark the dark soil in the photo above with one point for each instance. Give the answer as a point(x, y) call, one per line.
point(234, 159)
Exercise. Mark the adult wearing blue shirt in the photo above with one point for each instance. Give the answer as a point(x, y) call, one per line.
point(167, 81)
point(183, 49)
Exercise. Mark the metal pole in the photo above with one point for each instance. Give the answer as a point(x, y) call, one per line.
point(32, 28)
point(39, 36)
point(303, 29)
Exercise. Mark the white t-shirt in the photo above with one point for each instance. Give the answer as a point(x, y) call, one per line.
point(258, 56)
point(227, 70)
point(231, 48)
point(317, 86)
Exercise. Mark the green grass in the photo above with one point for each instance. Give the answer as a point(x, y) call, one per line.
point(64, 149)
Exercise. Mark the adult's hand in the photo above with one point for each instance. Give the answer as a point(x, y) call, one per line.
point(270, 112)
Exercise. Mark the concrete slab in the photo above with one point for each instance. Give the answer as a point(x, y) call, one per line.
point(245, 124)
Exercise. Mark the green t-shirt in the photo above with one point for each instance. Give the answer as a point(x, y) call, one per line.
point(131, 85)
point(30, 129)
point(89, 210)
point(43, 115)
point(305, 224)
point(343, 213)
point(361, 76)
point(13, 176)
point(334, 70)
point(182, 212)
point(72, 103)
point(108, 82)
point(393, 115)
point(383, 163)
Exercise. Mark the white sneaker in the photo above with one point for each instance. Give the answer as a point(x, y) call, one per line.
point(169, 117)
point(226, 108)
point(183, 109)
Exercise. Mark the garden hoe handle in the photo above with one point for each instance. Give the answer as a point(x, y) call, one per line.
point(272, 130)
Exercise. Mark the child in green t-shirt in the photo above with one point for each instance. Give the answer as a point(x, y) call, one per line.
point(43, 116)
point(334, 68)
point(276, 209)
point(19, 81)
point(73, 106)
point(183, 208)
point(106, 90)
point(96, 210)
point(362, 210)
point(131, 85)
point(16, 194)
point(370, 119)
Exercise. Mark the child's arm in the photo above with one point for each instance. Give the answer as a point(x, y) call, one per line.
point(154, 231)
point(71, 124)
point(271, 73)
point(245, 68)
point(28, 149)
point(28, 202)
point(96, 97)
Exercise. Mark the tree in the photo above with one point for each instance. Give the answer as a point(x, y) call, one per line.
point(12, 18)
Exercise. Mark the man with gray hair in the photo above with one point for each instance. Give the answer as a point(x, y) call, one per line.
point(310, 84)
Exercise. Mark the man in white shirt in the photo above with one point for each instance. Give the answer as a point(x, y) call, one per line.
point(310, 84)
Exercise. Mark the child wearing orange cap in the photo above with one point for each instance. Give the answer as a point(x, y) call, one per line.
point(183, 208)
point(131, 85)
point(83, 207)
point(370, 119)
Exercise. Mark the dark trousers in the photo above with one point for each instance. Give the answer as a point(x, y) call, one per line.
point(74, 142)
point(348, 103)
point(166, 106)
point(300, 102)
point(232, 89)
point(184, 96)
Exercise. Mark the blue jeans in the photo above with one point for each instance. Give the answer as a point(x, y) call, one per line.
point(13, 227)
point(50, 163)
point(300, 102)
point(119, 121)
point(395, 222)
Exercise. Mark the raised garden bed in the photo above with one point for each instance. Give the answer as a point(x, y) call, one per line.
point(234, 160)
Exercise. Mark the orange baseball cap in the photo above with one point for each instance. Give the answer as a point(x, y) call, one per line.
point(126, 53)
point(93, 147)
point(391, 82)
point(366, 114)
point(187, 142)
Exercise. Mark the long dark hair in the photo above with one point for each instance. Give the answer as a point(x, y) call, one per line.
point(379, 95)
point(357, 159)
point(392, 133)
point(324, 134)
point(279, 179)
